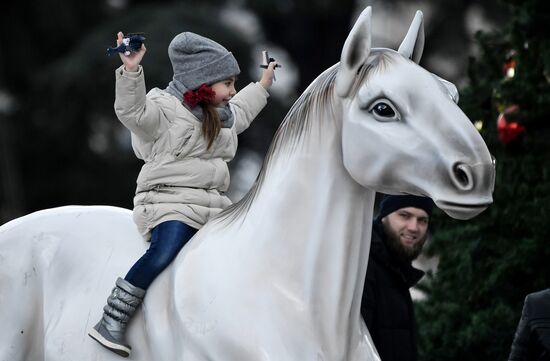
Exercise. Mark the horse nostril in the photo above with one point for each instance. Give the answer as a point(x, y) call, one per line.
point(462, 177)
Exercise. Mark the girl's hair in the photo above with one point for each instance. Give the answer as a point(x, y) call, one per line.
point(211, 124)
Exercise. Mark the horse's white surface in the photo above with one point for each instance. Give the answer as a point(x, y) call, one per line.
point(280, 275)
point(56, 269)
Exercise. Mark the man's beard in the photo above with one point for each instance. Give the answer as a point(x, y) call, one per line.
point(402, 253)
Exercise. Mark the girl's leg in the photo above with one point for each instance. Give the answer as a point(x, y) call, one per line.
point(167, 239)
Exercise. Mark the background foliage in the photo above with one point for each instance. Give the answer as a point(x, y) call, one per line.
point(488, 265)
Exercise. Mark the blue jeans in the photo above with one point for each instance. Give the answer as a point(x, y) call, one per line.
point(167, 239)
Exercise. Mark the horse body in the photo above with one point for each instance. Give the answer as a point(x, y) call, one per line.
point(278, 276)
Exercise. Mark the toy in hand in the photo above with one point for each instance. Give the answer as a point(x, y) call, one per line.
point(266, 60)
point(131, 43)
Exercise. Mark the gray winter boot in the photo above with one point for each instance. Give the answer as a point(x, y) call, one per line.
point(110, 331)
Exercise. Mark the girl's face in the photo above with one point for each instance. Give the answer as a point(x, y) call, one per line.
point(225, 90)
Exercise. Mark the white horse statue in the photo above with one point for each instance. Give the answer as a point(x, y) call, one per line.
point(279, 275)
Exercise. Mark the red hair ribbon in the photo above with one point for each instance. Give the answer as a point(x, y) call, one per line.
point(204, 93)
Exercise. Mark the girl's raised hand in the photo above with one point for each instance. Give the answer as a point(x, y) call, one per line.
point(267, 75)
point(131, 62)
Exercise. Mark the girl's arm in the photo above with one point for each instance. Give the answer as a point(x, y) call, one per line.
point(142, 117)
point(248, 102)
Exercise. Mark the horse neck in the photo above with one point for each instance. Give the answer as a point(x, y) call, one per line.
point(318, 220)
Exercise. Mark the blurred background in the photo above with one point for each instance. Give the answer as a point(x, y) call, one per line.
point(60, 140)
point(61, 144)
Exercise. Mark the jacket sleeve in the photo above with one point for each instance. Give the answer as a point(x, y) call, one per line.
point(247, 104)
point(521, 339)
point(140, 115)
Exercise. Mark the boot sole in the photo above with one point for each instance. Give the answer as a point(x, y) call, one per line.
point(111, 346)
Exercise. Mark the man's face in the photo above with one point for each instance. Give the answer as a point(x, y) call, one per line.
point(406, 232)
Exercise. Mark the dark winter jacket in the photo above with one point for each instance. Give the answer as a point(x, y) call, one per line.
point(387, 306)
point(532, 339)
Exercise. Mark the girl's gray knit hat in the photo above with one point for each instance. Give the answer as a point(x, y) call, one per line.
point(197, 60)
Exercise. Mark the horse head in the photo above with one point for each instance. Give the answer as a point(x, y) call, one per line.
point(429, 146)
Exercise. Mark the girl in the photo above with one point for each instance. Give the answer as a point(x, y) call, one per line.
point(185, 134)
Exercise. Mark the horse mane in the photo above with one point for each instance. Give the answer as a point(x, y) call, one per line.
point(315, 106)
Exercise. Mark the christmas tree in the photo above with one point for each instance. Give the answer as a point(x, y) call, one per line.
point(489, 264)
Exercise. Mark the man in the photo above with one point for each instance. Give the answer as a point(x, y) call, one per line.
point(398, 235)
point(532, 339)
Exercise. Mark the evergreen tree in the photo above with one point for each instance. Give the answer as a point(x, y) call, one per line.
point(487, 265)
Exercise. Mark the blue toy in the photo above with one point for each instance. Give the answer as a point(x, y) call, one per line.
point(131, 43)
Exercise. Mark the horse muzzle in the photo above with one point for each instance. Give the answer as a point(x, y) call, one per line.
point(472, 190)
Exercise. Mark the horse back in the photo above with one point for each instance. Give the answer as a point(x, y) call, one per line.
point(57, 267)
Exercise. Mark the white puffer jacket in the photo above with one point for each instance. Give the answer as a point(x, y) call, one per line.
point(181, 179)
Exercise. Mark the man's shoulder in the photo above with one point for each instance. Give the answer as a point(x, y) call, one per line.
point(378, 266)
point(537, 309)
point(377, 253)
point(539, 301)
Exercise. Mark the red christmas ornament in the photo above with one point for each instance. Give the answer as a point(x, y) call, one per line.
point(507, 129)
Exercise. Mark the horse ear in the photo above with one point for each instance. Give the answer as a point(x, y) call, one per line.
point(354, 53)
point(413, 44)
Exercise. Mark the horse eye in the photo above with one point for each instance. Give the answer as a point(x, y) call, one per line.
point(383, 110)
